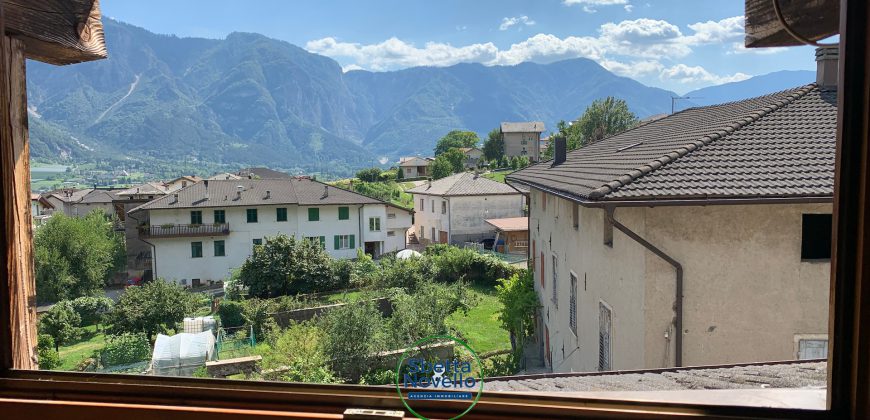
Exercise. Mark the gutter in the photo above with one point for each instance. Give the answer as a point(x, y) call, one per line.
point(678, 268)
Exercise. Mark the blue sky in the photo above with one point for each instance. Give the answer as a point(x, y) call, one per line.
point(677, 45)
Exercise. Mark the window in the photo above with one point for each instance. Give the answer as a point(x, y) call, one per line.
point(391, 215)
point(252, 215)
point(604, 336)
point(321, 240)
point(344, 241)
point(196, 217)
point(257, 241)
point(812, 349)
point(375, 224)
point(219, 249)
point(575, 215)
point(196, 250)
point(391, 233)
point(433, 237)
point(816, 236)
point(343, 213)
point(220, 216)
point(422, 232)
point(433, 205)
point(555, 285)
point(572, 305)
point(281, 214)
point(443, 207)
point(422, 205)
point(314, 214)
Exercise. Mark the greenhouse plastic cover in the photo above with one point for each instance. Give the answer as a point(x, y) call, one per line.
point(181, 354)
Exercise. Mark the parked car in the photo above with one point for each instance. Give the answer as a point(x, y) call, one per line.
point(135, 281)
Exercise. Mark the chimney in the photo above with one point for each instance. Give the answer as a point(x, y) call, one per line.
point(560, 151)
point(239, 190)
point(268, 194)
point(174, 198)
point(205, 183)
point(827, 60)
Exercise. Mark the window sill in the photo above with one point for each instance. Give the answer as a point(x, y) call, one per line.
point(816, 260)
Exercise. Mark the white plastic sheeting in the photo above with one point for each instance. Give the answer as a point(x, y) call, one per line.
point(407, 253)
point(181, 354)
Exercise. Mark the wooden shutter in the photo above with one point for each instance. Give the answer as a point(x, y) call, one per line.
point(352, 245)
point(337, 241)
point(323, 242)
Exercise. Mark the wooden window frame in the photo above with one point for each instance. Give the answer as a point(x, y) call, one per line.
point(39, 394)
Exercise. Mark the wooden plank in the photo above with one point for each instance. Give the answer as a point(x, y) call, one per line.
point(17, 288)
point(849, 349)
point(813, 19)
point(57, 31)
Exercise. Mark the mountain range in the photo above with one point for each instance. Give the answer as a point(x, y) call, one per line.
point(250, 100)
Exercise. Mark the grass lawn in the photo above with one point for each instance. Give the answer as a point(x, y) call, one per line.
point(480, 326)
point(497, 176)
point(71, 355)
point(342, 297)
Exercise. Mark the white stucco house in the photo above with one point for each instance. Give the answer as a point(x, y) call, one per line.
point(201, 233)
point(700, 238)
point(454, 209)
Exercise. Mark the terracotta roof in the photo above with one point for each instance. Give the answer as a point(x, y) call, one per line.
point(510, 224)
point(256, 192)
point(773, 146)
point(522, 127)
point(414, 161)
point(465, 183)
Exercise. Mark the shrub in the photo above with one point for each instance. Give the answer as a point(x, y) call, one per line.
point(400, 273)
point(298, 355)
point(62, 323)
point(257, 312)
point(286, 266)
point(125, 349)
point(423, 313)
point(519, 303)
point(455, 264)
point(353, 333)
point(49, 358)
point(369, 175)
point(91, 309)
point(231, 313)
point(388, 176)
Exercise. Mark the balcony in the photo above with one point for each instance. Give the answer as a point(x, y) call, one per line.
point(183, 231)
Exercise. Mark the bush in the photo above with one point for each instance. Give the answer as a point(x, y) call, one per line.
point(286, 266)
point(388, 176)
point(353, 333)
point(369, 175)
point(298, 355)
point(125, 349)
point(519, 303)
point(92, 309)
point(455, 264)
point(423, 313)
point(231, 314)
point(62, 323)
point(257, 313)
point(400, 273)
point(49, 358)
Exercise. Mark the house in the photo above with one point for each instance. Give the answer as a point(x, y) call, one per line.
point(262, 173)
point(182, 182)
point(79, 202)
point(700, 238)
point(146, 191)
point(40, 209)
point(522, 139)
point(201, 233)
point(472, 156)
point(414, 167)
point(511, 235)
point(224, 176)
point(454, 209)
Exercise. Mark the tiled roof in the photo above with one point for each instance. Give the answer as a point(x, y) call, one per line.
point(779, 145)
point(263, 173)
point(69, 195)
point(797, 374)
point(414, 161)
point(465, 183)
point(257, 192)
point(522, 127)
point(510, 224)
point(100, 196)
point(153, 188)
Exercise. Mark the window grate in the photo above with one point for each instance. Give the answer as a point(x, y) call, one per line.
point(572, 305)
point(604, 338)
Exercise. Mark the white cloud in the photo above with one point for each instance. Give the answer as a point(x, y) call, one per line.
point(697, 74)
point(711, 32)
point(634, 69)
point(589, 5)
point(395, 53)
point(351, 67)
point(628, 8)
point(506, 23)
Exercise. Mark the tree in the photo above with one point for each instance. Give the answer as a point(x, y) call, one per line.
point(62, 323)
point(400, 174)
point(455, 139)
point(493, 146)
point(441, 167)
point(152, 308)
point(125, 349)
point(76, 256)
point(604, 117)
point(47, 353)
point(353, 333)
point(298, 356)
point(369, 175)
point(456, 158)
point(91, 309)
point(286, 266)
point(519, 303)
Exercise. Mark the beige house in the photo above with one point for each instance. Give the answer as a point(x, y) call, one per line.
point(76, 203)
point(472, 156)
point(697, 239)
point(522, 139)
point(414, 167)
point(454, 209)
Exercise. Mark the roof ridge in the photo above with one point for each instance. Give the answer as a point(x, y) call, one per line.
point(658, 163)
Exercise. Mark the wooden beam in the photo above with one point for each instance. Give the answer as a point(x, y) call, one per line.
point(17, 287)
point(57, 31)
point(849, 349)
point(812, 19)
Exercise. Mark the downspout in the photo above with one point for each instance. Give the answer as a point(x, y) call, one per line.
point(360, 219)
point(678, 305)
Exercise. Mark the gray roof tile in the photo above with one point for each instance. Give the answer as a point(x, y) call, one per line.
point(778, 145)
point(465, 183)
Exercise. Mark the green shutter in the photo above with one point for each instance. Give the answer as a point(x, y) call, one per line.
point(343, 213)
point(323, 242)
point(351, 242)
point(337, 241)
point(313, 214)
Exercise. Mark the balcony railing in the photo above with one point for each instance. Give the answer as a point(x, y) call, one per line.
point(172, 231)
